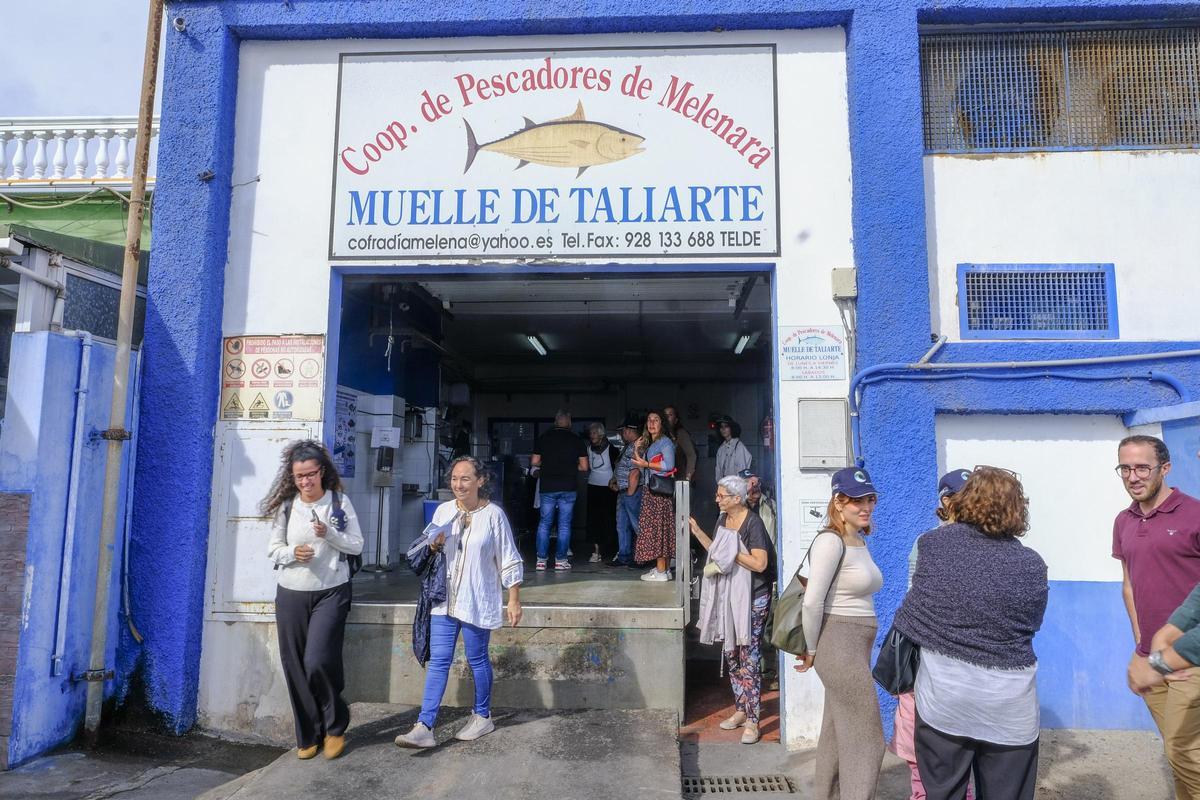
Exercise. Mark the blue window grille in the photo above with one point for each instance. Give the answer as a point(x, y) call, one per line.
point(1130, 88)
point(1037, 301)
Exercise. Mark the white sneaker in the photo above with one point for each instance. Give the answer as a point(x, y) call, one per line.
point(595, 558)
point(734, 722)
point(655, 575)
point(418, 738)
point(476, 726)
point(750, 733)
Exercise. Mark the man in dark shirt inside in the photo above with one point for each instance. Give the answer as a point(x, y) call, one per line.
point(559, 456)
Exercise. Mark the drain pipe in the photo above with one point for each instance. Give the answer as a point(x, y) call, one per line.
point(924, 369)
point(68, 551)
point(137, 414)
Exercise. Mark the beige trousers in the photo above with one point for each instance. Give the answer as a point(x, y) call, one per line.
point(1176, 711)
point(850, 750)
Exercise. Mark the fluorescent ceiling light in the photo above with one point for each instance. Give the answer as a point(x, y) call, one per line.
point(536, 344)
point(742, 341)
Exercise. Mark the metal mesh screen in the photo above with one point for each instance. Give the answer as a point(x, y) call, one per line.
point(1048, 90)
point(1042, 299)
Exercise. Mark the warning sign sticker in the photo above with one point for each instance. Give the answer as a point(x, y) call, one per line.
point(254, 363)
point(233, 408)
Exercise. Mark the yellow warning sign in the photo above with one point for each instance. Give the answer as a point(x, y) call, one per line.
point(233, 409)
point(259, 408)
point(256, 369)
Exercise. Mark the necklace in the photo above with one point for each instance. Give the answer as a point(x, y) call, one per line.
point(471, 511)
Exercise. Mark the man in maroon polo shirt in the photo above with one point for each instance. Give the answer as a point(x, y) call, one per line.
point(1157, 540)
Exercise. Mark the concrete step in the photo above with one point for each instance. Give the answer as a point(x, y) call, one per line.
point(532, 754)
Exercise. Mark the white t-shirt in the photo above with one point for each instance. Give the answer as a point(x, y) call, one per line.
point(600, 469)
point(327, 568)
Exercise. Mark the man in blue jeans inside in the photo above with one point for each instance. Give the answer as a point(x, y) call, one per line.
point(629, 494)
point(559, 456)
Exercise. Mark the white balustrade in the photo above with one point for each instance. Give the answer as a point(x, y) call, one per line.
point(101, 153)
point(34, 150)
point(20, 161)
point(122, 162)
point(39, 155)
point(60, 153)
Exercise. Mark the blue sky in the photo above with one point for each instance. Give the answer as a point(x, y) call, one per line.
point(72, 57)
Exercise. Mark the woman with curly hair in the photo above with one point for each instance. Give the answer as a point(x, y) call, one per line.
point(313, 532)
point(977, 599)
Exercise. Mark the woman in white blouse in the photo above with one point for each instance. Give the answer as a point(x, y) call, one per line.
point(481, 561)
point(314, 531)
point(839, 616)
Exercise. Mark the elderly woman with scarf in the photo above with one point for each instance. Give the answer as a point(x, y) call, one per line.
point(735, 598)
point(977, 599)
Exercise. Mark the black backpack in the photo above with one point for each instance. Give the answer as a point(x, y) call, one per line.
point(353, 562)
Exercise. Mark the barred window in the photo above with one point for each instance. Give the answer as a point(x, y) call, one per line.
point(1070, 89)
point(1037, 301)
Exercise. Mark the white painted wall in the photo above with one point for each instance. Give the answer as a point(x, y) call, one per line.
point(277, 279)
point(1066, 466)
point(1134, 209)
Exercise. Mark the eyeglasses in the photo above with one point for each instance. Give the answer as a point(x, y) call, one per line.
point(723, 496)
point(301, 477)
point(1140, 470)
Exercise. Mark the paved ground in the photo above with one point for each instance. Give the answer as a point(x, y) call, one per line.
point(1074, 765)
point(532, 755)
point(134, 763)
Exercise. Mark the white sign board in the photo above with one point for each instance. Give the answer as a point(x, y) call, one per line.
point(572, 152)
point(812, 521)
point(383, 436)
point(272, 377)
point(812, 353)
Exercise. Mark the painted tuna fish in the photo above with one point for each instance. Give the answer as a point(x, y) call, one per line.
point(568, 142)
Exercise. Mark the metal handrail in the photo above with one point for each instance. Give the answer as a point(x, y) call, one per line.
point(683, 548)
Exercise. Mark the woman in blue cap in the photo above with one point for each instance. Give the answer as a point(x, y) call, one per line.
point(839, 615)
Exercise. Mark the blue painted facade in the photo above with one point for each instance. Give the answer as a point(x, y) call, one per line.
point(898, 415)
point(36, 457)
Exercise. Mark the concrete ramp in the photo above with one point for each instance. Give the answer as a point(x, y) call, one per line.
point(532, 754)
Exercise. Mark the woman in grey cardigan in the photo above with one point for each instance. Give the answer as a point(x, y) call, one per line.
point(977, 599)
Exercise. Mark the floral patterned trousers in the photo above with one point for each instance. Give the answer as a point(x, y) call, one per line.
point(744, 663)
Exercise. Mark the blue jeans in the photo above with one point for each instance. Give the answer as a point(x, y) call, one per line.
point(443, 635)
point(629, 506)
point(564, 504)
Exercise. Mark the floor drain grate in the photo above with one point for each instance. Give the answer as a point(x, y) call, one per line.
point(700, 786)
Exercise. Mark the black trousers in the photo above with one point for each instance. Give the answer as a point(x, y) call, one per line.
point(312, 626)
point(602, 518)
point(1002, 772)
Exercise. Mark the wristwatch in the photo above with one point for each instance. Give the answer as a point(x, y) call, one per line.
point(1160, 665)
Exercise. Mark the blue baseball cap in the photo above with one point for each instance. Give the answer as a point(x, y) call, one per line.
point(953, 482)
point(853, 482)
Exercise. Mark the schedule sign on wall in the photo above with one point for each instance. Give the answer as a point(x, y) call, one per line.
point(582, 152)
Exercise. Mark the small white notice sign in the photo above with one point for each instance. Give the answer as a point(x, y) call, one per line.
point(812, 353)
point(382, 436)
